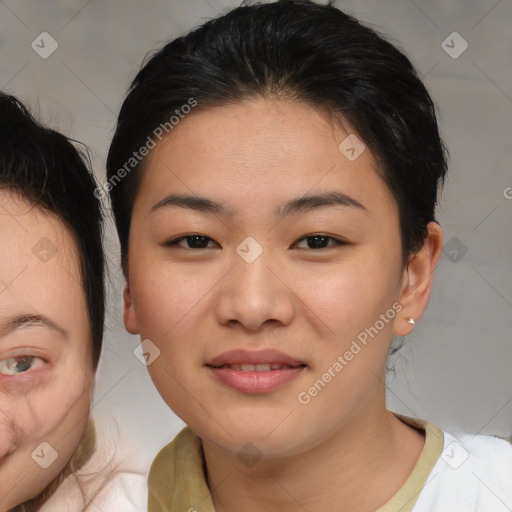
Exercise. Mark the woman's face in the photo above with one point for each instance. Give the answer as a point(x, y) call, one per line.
point(46, 372)
point(299, 252)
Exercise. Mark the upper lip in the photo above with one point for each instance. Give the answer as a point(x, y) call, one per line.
point(251, 357)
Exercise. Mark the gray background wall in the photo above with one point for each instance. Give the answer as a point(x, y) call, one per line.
point(455, 367)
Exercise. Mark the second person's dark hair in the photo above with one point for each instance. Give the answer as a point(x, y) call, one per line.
point(44, 168)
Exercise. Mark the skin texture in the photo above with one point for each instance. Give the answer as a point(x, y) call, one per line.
point(311, 304)
point(48, 403)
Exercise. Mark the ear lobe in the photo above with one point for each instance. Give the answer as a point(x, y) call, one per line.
point(417, 280)
point(129, 316)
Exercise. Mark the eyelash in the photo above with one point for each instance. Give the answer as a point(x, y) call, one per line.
point(176, 241)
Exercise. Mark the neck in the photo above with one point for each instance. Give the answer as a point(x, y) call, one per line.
point(359, 467)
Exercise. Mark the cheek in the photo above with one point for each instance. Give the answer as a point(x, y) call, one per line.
point(164, 295)
point(348, 298)
point(66, 436)
point(10, 432)
point(48, 427)
point(334, 298)
point(61, 404)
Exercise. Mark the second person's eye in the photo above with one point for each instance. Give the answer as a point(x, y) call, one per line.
point(16, 365)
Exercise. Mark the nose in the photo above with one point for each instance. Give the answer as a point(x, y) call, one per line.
point(8, 436)
point(254, 294)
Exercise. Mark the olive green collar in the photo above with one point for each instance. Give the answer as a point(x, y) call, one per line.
point(177, 479)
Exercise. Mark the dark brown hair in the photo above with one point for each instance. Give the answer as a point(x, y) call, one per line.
point(300, 50)
point(44, 168)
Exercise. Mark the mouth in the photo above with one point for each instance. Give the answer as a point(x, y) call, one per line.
point(265, 367)
point(251, 358)
point(255, 372)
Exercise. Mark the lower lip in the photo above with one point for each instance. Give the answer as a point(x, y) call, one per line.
point(256, 382)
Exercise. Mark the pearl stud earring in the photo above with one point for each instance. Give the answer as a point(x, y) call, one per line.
point(411, 321)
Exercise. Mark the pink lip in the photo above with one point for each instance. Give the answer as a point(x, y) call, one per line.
point(255, 382)
point(260, 357)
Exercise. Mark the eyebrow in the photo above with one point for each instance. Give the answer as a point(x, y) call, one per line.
point(301, 204)
point(30, 320)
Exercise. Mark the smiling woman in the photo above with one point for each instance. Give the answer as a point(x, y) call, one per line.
point(273, 244)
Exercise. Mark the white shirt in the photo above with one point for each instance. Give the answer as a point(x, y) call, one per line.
point(102, 486)
point(473, 474)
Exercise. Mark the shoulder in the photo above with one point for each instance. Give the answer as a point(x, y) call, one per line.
point(488, 459)
point(185, 444)
point(124, 491)
point(110, 481)
point(109, 493)
point(184, 452)
point(484, 454)
point(176, 479)
point(473, 473)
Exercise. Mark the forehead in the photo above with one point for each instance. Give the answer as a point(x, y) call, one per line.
point(39, 262)
point(256, 136)
point(260, 150)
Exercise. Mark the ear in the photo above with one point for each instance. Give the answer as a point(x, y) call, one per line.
point(417, 280)
point(129, 316)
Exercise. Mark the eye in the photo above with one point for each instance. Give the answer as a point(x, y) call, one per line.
point(191, 241)
point(319, 241)
point(16, 365)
